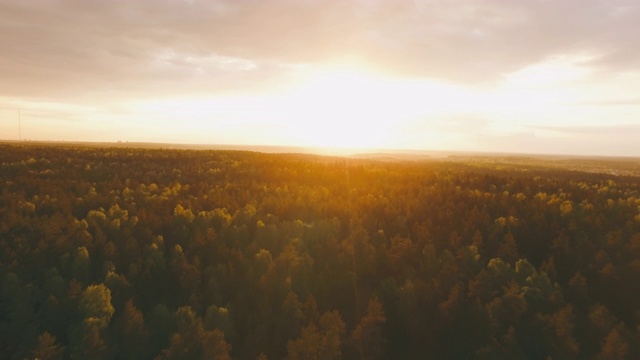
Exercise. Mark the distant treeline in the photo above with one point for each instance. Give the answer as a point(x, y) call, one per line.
point(122, 253)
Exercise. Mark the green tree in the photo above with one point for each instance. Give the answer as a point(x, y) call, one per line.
point(95, 303)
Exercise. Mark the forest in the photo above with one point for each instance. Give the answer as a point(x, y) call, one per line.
point(131, 253)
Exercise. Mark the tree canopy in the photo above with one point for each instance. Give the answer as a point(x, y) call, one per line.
point(122, 253)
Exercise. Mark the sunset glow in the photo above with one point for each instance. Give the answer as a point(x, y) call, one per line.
point(506, 77)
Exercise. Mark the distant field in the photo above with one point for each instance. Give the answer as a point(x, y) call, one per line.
point(612, 165)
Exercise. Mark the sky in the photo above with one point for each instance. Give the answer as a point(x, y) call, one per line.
point(548, 77)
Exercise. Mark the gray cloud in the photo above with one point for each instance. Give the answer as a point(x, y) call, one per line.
point(111, 49)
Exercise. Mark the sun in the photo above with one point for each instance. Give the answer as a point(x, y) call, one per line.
point(343, 108)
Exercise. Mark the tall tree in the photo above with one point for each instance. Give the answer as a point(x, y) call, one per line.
point(368, 337)
point(132, 333)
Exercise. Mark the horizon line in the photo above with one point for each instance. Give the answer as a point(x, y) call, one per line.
point(315, 150)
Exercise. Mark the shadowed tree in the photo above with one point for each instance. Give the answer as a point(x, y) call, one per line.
point(614, 346)
point(289, 324)
point(559, 329)
point(319, 342)
point(132, 333)
point(48, 348)
point(307, 346)
point(508, 250)
point(219, 318)
point(368, 337)
point(322, 341)
point(80, 266)
point(160, 325)
point(192, 341)
point(88, 342)
point(214, 346)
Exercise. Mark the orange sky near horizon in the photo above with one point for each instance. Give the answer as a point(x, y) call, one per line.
point(428, 75)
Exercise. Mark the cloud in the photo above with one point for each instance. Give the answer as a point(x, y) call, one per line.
point(563, 141)
point(610, 102)
point(622, 130)
point(111, 49)
point(461, 124)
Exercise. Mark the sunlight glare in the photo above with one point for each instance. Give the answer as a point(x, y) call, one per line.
point(352, 108)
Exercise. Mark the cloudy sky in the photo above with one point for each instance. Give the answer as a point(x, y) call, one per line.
point(510, 76)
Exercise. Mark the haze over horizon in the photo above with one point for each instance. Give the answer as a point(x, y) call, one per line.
point(492, 76)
